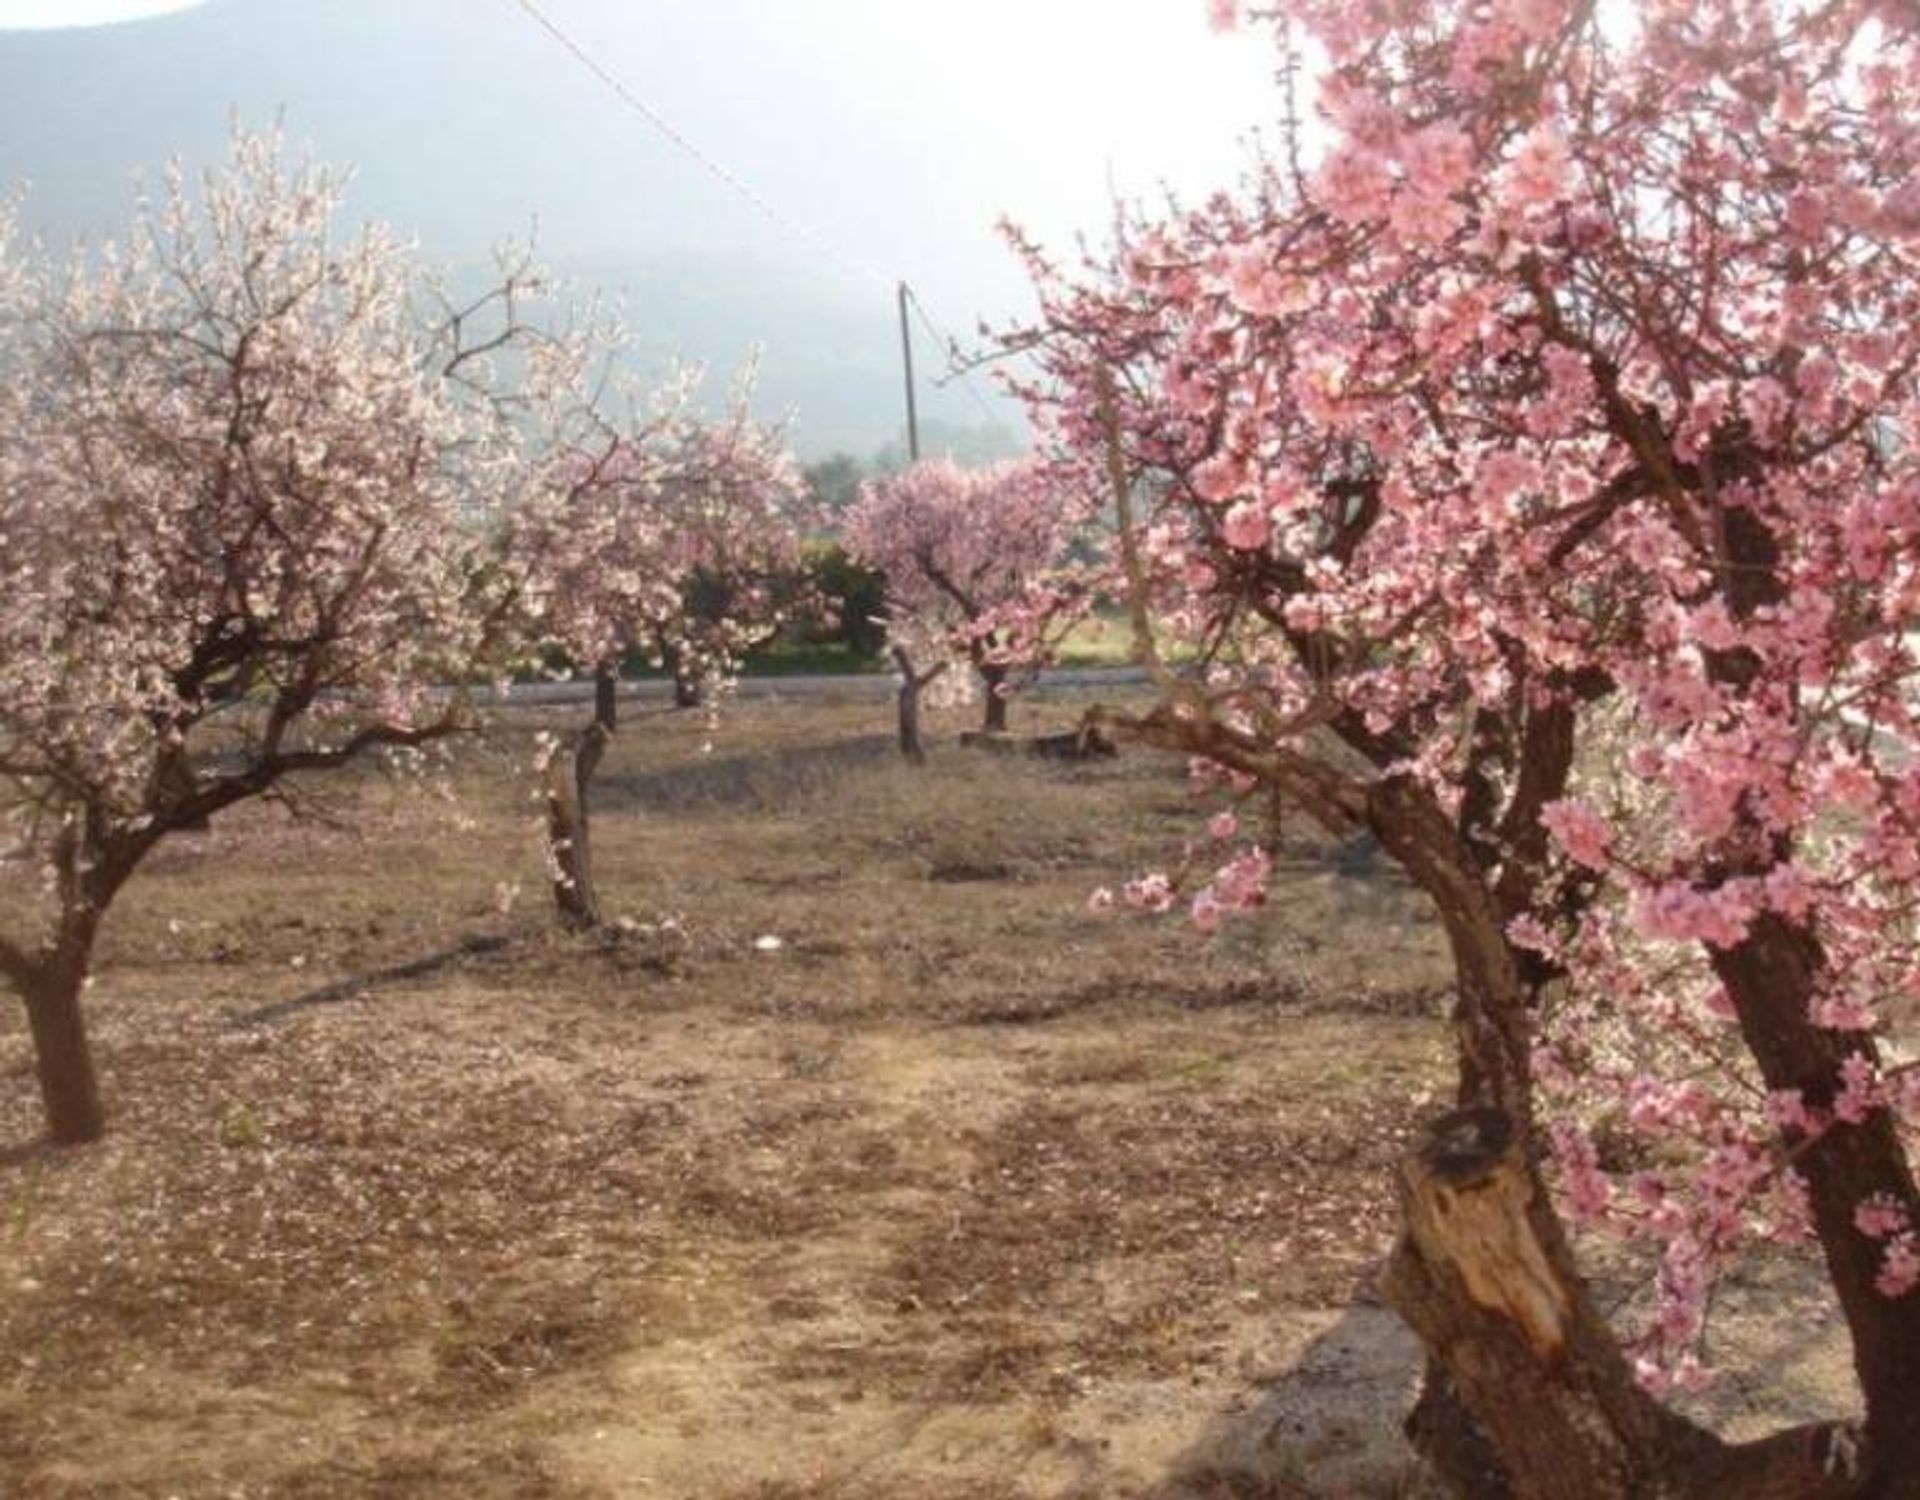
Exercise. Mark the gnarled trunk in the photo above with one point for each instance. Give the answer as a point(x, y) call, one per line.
point(1528, 1396)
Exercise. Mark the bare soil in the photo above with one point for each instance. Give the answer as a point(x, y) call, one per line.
point(862, 1161)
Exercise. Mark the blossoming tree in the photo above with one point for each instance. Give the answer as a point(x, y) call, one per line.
point(244, 480)
point(732, 502)
point(976, 562)
point(671, 533)
point(1534, 477)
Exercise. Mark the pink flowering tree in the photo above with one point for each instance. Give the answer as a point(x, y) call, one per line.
point(1529, 460)
point(734, 510)
point(667, 533)
point(246, 466)
point(978, 566)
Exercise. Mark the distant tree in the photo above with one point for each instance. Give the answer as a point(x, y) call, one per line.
point(975, 562)
point(245, 486)
point(833, 483)
point(853, 596)
point(734, 514)
point(666, 533)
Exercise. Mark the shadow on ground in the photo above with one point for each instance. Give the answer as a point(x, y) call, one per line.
point(1326, 1425)
point(755, 779)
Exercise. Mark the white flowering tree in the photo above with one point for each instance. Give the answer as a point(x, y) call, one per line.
point(662, 531)
point(246, 465)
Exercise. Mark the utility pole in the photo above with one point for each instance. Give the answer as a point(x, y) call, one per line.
point(906, 356)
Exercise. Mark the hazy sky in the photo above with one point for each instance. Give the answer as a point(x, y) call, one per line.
point(42, 14)
point(894, 131)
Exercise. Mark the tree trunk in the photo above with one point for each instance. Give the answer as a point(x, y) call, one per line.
point(910, 686)
point(689, 691)
point(1528, 1394)
point(995, 677)
point(1485, 1279)
point(569, 845)
point(1497, 1302)
point(606, 698)
point(69, 1089)
point(1772, 976)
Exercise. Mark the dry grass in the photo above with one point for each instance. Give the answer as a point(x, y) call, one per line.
point(957, 1191)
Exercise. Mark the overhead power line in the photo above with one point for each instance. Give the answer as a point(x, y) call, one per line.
point(738, 185)
point(745, 190)
point(950, 349)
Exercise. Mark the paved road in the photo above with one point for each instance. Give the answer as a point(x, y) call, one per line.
point(870, 685)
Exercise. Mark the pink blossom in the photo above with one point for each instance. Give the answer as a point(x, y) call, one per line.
point(1242, 883)
point(1354, 184)
point(1861, 1093)
point(1899, 1266)
point(1845, 1013)
point(1254, 286)
point(1152, 892)
point(1220, 479)
point(1578, 829)
point(1438, 159)
point(1880, 1216)
point(1246, 526)
point(1538, 173)
point(1501, 478)
point(1589, 1191)
point(1788, 1110)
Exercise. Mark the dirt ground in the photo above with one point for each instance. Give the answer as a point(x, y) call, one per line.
point(866, 1163)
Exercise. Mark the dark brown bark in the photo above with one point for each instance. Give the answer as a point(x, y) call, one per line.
point(909, 699)
point(1771, 977)
point(912, 684)
point(995, 677)
point(69, 1087)
point(1528, 1394)
point(1497, 1299)
point(606, 699)
point(569, 839)
point(1442, 1431)
point(1483, 1276)
point(1493, 1003)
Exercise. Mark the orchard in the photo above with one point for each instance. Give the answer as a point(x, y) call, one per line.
point(1514, 474)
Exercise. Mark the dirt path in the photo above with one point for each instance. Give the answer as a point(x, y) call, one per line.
point(865, 1165)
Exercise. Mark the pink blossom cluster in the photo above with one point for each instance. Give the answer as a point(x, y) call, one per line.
point(1558, 395)
point(977, 560)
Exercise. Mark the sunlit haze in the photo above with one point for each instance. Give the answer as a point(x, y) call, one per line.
point(887, 137)
point(37, 15)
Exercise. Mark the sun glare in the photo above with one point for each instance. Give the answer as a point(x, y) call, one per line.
point(51, 15)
